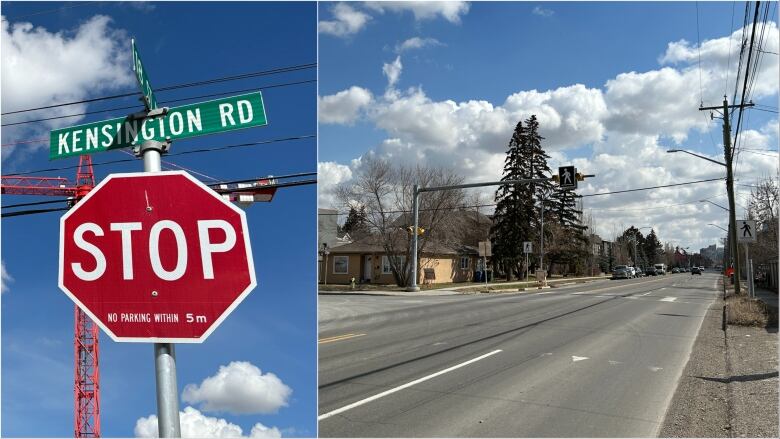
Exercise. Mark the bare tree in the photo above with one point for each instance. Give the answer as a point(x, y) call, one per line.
point(763, 208)
point(385, 192)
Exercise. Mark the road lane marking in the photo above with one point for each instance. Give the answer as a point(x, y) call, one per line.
point(645, 294)
point(576, 358)
point(655, 368)
point(339, 338)
point(668, 299)
point(613, 362)
point(403, 386)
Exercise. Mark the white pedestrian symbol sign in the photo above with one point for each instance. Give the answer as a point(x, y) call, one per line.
point(746, 231)
point(527, 247)
point(567, 177)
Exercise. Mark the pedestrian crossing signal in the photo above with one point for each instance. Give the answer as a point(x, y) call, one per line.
point(567, 177)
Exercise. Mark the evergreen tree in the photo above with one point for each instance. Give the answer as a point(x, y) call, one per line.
point(514, 207)
point(652, 247)
point(355, 223)
point(571, 246)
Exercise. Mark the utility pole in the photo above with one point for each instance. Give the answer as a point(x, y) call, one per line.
point(728, 155)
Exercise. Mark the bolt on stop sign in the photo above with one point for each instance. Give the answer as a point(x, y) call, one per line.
point(155, 257)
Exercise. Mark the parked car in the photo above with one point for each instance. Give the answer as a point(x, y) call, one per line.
point(660, 269)
point(650, 271)
point(640, 272)
point(675, 270)
point(621, 272)
point(633, 271)
point(695, 270)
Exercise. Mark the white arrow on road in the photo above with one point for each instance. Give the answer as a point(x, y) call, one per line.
point(576, 358)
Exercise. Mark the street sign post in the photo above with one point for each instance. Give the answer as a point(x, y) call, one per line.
point(485, 249)
point(156, 258)
point(746, 231)
point(150, 101)
point(210, 117)
point(567, 177)
point(746, 234)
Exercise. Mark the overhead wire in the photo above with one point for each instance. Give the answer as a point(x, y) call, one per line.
point(195, 151)
point(579, 196)
point(174, 87)
point(49, 11)
point(169, 101)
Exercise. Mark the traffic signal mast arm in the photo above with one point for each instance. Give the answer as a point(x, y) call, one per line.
point(416, 211)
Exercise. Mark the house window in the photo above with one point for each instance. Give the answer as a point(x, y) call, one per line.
point(340, 264)
point(399, 262)
point(464, 262)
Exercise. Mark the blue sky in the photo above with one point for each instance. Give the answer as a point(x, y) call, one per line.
point(614, 85)
point(83, 52)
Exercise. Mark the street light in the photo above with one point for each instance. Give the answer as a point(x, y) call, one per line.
point(732, 232)
point(699, 156)
point(715, 225)
point(716, 204)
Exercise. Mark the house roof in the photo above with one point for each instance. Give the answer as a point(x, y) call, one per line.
point(372, 244)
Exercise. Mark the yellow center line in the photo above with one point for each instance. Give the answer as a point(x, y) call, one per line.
point(339, 338)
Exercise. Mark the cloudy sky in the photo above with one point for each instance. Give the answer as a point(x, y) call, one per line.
point(256, 374)
point(614, 85)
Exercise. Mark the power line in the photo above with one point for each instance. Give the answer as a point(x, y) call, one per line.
point(9, 206)
point(59, 209)
point(48, 11)
point(652, 187)
point(195, 151)
point(32, 212)
point(698, 43)
point(177, 86)
point(130, 107)
point(275, 177)
point(581, 196)
point(270, 186)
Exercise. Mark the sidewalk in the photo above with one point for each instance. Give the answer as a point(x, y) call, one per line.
point(470, 288)
point(767, 296)
point(729, 387)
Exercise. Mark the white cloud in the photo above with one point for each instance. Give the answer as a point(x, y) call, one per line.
point(194, 424)
point(628, 124)
point(239, 388)
point(538, 10)
point(424, 10)
point(41, 68)
point(393, 71)
point(329, 175)
point(347, 21)
point(343, 107)
point(416, 43)
point(5, 278)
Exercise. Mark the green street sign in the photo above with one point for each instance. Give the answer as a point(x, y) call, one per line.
point(143, 79)
point(210, 117)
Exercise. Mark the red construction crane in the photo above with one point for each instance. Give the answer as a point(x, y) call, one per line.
point(86, 389)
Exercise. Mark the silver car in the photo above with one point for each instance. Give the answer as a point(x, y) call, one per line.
point(621, 272)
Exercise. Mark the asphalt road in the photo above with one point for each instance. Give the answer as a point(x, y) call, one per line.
point(590, 360)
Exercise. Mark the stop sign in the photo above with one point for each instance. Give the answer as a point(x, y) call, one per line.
point(155, 257)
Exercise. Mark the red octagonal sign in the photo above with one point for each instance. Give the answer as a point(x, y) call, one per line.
point(155, 257)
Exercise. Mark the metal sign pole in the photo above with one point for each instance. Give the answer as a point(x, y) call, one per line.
point(484, 266)
point(415, 208)
point(168, 424)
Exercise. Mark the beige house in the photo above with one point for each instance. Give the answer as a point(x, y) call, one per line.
point(367, 262)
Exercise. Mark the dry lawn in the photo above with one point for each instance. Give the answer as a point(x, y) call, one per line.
point(744, 311)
